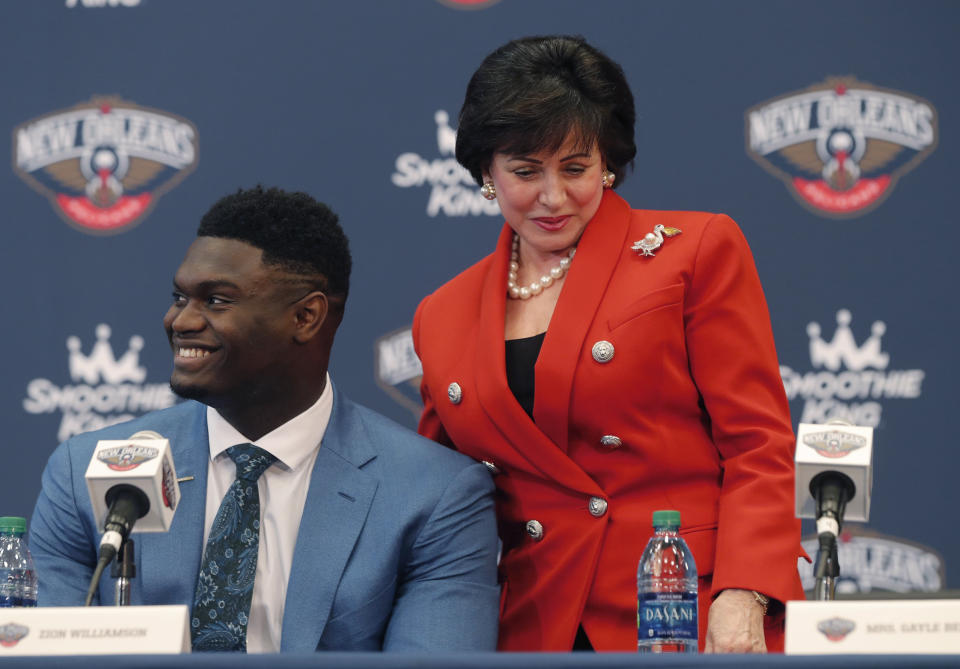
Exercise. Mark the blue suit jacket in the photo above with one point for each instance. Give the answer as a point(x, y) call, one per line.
point(396, 548)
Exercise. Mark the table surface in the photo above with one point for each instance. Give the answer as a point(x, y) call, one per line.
point(474, 661)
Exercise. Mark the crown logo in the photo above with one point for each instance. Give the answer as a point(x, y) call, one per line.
point(101, 363)
point(446, 136)
point(844, 350)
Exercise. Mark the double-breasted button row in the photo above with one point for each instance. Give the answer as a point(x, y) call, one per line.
point(597, 507)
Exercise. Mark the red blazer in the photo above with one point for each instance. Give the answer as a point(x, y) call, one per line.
point(689, 414)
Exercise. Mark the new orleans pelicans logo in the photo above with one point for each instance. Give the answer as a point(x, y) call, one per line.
point(125, 458)
point(12, 633)
point(840, 146)
point(103, 164)
point(834, 443)
point(836, 629)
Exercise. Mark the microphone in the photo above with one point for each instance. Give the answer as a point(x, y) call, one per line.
point(834, 474)
point(133, 487)
point(832, 491)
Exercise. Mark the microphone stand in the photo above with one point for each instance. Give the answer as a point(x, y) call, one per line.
point(124, 570)
point(832, 490)
point(827, 568)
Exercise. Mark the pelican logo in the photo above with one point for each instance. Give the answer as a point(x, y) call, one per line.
point(12, 633)
point(398, 369)
point(104, 164)
point(840, 146)
point(836, 629)
point(834, 443)
point(125, 458)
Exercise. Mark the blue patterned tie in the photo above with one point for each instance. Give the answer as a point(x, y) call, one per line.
point(221, 603)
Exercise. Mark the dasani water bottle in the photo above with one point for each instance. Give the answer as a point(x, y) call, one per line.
point(18, 580)
point(666, 590)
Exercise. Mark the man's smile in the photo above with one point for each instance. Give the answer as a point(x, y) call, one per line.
point(192, 353)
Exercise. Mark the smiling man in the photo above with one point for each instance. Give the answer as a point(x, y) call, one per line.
point(306, 521)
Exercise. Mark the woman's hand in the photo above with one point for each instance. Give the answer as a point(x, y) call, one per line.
point(735, 624)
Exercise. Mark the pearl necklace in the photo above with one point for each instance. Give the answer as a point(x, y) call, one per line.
point(526, 292)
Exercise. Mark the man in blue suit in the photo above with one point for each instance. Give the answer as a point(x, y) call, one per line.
point(370, 537)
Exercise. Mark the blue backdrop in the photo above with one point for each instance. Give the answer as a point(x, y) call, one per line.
point(816, 125)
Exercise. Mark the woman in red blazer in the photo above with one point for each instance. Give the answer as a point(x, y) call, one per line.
point(638, 374)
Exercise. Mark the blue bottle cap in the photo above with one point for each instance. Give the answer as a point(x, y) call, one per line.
point(13, 525)
point(666, 518)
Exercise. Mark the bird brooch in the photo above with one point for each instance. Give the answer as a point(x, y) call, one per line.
point(653, 240)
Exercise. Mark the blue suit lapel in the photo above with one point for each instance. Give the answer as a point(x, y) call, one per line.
point(336, 509)
point(170, 562)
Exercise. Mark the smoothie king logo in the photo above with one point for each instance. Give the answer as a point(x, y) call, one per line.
point(105, 389)
point(848, 381)
point(453, 191)
point(840, 146)
point(104, 164)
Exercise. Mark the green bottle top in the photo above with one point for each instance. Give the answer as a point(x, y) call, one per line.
point(666, 518)
point(13, 525)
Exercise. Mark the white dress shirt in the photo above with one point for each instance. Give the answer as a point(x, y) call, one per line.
point(283, 492)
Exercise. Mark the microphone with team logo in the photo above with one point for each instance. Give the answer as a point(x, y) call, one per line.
point(834, 478)
point(133, 488)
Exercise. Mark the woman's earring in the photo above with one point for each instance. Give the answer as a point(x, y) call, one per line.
point(607, 179)
point(489, 191)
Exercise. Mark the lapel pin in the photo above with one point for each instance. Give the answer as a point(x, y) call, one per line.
point(184, 479)
point(653, 240)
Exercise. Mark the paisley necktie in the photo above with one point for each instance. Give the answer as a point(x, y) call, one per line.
point(221, 602)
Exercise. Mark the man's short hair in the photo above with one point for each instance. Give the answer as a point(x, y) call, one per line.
point(295, 232)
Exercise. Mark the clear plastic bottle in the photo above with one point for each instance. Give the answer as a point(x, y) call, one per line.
point(666, 590)
point(18, 580)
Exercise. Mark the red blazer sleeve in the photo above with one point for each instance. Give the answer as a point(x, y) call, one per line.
point(733, 361)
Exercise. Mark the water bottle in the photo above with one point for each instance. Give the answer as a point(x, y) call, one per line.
point(666, 590)
point(18, 580)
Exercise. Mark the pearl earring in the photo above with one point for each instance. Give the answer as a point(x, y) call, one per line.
point(607, 179)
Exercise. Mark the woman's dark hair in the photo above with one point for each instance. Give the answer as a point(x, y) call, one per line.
point(531, 93)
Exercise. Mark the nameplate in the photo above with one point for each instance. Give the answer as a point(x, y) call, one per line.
point(904, 626)
point(98, 630)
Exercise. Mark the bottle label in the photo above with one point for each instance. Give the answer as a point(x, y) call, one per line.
point(667, 616)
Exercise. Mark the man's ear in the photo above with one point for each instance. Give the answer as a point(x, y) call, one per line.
point(310, 313)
